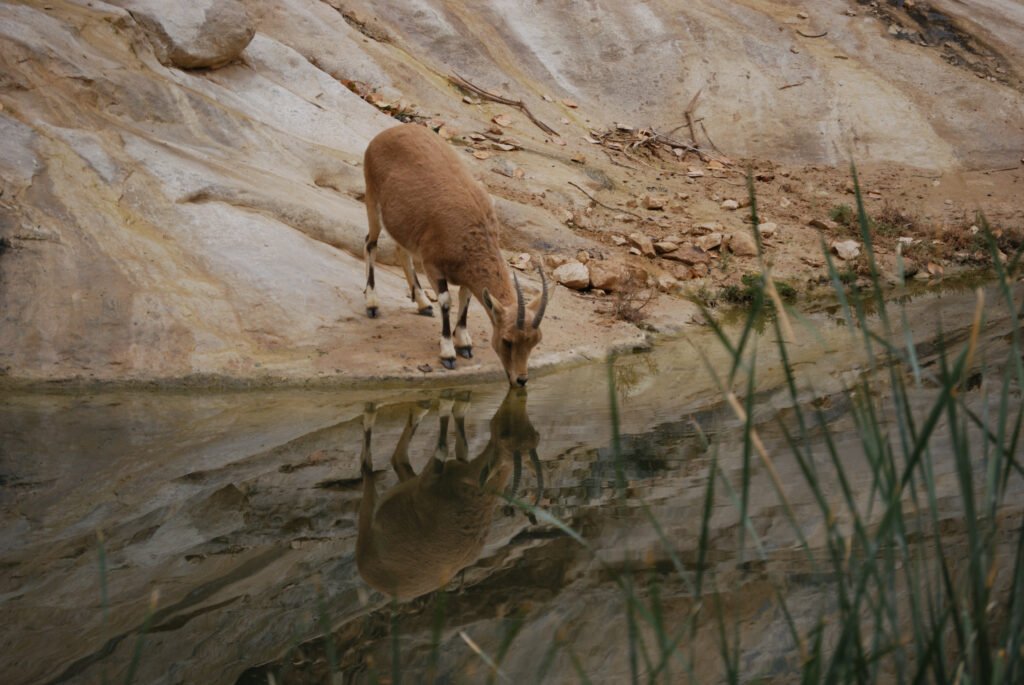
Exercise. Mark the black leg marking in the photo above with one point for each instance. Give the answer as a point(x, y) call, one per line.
point(370, 250)
point(447, 349)
point(461, 335)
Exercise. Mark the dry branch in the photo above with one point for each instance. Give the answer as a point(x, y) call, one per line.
point(688, 112)
point(518, 104)
point(601, 204)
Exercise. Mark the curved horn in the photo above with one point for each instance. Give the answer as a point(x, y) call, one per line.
point(520, 306)
point(543, 298)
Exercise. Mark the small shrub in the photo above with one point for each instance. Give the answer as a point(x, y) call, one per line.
point(893, 221)
point(847, 277)
point(752, 286)
point(631, 300)
point(842, 215)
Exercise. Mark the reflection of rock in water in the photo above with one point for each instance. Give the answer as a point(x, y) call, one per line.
point(423, 531)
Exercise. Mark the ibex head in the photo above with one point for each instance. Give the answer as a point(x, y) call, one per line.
point(516, 331)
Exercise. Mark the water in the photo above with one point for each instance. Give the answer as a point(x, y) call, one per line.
point(242, 512)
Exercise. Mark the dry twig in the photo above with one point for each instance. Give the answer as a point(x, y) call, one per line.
point(601, 204)
point(518, 104)
point(812, 35)
point(688, 112)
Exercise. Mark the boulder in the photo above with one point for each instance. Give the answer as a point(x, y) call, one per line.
point(195, 34)
point(642, 243)
point(573, 274)
point(688, 254)
point(655, 202)
point(709, 241)
point(663, 246)
point(554, 261)
point(768, 229)
point(742, 244)
point(607, 275)
point(667, 283)
point(846, 249)
point(824, 224)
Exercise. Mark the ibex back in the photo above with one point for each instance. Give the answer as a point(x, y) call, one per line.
point(419, 191)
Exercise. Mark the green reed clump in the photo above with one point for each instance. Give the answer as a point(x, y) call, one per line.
point(752, 286)
point(910, 604)
point(908, 607)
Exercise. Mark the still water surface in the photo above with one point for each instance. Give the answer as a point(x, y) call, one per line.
point(236, 517)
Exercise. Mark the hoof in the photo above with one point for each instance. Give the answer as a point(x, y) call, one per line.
point(372, 312)
point(465, 352)
point(427, 311)
point(448, 362)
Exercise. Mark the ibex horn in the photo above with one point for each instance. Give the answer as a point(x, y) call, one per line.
point(520, 306)
point(543, 298)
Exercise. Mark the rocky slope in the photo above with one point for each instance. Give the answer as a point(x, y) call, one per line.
point(180, 189)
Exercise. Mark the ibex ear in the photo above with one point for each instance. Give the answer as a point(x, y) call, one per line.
point(493, 307)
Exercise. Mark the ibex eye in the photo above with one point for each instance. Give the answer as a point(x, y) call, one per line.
point(506, 343)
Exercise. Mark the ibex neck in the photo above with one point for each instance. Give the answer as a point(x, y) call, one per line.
point(497, 281)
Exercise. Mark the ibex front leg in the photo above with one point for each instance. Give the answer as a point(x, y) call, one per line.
point(463, 343)
point(444, 299)
point(459, 411)
point(444, 410)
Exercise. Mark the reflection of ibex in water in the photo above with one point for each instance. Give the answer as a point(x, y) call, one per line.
point(423, 531)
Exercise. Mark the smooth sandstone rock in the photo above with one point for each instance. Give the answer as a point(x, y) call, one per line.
point(573, 274)
point(193, 34)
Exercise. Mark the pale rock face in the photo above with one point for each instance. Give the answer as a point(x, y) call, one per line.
point(193, 34)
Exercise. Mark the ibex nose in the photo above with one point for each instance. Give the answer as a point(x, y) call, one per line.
point(521, 380)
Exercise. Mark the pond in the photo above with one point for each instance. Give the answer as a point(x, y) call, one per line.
point(215, 537)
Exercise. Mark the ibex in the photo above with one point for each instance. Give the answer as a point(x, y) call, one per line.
point(418, 190)
point(418, 535)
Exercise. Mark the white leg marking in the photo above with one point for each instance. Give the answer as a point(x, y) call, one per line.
point(462, 337)
point(371, 298)
point(447, 348)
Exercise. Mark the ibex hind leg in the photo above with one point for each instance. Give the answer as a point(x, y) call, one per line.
point(416, 293)
point(400, 457)
point(370, 254)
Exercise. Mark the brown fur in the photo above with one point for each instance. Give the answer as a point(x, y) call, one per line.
point(427, 201)
point(423, 531)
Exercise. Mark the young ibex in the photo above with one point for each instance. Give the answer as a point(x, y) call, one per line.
point(418, 190)
point(415, 537)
